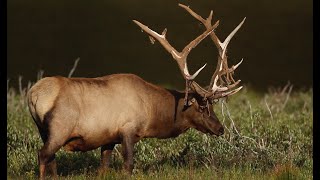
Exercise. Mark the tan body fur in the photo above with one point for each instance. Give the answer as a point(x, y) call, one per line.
point(96, 110)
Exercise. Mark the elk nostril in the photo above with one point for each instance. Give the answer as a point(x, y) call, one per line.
point(221, 130)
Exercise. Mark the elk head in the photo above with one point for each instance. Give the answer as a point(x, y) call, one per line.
point(199, 100)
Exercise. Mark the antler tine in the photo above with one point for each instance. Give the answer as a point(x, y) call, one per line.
point(232, 69)
point(227, 40)
point(224, 94)
point(189, 77)
point(161, 38)
point(206, 23)
point(180, 57)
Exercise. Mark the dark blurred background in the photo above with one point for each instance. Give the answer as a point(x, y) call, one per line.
point(275, 41)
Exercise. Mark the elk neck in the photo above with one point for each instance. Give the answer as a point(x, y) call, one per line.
point(180, 123)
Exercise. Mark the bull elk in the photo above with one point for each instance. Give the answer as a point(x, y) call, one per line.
point(82, 114)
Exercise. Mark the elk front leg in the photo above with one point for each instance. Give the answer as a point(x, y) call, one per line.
point(106, 152)
point(127, 152)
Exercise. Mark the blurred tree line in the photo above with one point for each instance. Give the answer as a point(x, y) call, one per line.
point(275, 41)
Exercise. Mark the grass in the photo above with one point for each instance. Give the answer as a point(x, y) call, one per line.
point(268, 136)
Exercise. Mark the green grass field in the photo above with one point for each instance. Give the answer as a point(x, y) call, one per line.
point(267, 136)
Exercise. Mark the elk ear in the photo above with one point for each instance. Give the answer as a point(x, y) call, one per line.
point(191, 101)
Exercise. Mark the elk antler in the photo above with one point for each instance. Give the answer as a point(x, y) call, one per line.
point(222, 73)
point(222, 69)
point(180, 57)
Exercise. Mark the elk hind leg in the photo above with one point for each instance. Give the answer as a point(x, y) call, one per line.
point(106, 152)
point(51, 166)
point(46, 155)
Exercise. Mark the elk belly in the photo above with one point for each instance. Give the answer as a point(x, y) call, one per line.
point(80, 141)
point(79, 144)
point(76, 144)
